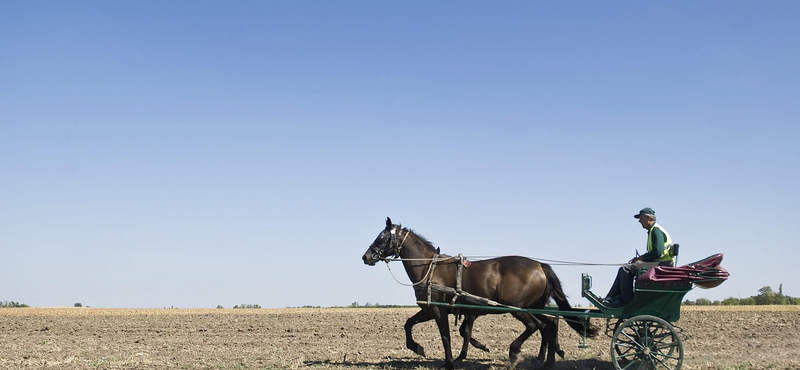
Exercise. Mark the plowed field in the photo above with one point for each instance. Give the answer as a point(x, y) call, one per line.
point(735, 338)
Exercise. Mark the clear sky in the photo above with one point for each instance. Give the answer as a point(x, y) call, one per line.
point(195, 154)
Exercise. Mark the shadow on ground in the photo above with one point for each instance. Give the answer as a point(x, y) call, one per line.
point(416, 363)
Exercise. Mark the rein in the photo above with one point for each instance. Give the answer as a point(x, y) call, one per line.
point(435, 259)
point(549, 261)
point(433, 263)
point(427, 274)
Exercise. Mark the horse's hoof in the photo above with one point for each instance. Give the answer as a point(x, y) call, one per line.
point(560, 354)
point(420, 351)
point(479, 346)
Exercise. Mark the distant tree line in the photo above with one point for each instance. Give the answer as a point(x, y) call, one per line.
point(12, 304)
point(245, 305)
point(766, 296)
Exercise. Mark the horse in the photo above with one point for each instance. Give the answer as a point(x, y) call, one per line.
point(509, 280)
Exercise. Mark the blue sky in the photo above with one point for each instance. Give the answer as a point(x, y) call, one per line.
point(195, 154)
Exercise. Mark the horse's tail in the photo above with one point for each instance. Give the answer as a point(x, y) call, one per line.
point(555, 291)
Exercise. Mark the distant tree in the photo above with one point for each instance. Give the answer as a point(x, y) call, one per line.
point(731, 301)
point(703, 302)
point(765, 296)
point(78, 305)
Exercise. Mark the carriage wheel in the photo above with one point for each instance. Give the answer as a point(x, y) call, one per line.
point(646, 342)
point(620, 350)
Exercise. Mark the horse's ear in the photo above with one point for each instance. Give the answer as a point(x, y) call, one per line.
point(437, 250)
point(388, 223)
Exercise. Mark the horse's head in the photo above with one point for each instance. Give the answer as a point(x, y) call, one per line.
point(387, 244)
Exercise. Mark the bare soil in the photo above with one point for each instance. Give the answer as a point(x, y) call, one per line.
point(730, 338)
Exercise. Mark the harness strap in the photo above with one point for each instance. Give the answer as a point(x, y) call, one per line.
point(430, 275)
point(400, 246)
point(459, 290)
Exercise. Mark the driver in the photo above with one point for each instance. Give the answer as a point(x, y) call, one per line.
point(657, 254)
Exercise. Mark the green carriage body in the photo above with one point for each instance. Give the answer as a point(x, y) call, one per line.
point(659, 299)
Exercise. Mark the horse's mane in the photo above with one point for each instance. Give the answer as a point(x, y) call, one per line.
point(424, 241)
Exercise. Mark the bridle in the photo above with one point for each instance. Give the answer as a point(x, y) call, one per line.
point(392, 244)
point(396, 246)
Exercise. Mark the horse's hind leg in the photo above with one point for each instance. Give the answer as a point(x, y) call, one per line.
point(554, 333)
point(542, 349)
point(549, 340)
point(543, 346)
point(421, 316)
point(532, 324)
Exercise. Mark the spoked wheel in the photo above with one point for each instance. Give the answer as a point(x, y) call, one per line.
point(622, 349)
point(647, 343)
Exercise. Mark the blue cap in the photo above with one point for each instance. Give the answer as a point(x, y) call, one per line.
point(645, 211)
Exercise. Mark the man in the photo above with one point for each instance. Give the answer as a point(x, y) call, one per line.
point(658, 242)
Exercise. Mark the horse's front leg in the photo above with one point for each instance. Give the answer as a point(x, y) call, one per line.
point(421, 316)
point(444, 331)
point(466, 333)
point(474, 342)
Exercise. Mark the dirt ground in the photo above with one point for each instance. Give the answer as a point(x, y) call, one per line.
point(733, 338)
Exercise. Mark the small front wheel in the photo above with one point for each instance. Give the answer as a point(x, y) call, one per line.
point(646, 342)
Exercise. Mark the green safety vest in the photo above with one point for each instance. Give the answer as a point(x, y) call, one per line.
point(667, 242)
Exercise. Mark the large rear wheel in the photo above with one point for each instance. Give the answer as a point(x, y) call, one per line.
point(647, 343)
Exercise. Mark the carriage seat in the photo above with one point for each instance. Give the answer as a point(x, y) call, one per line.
point(672, 250)
point(705, 273)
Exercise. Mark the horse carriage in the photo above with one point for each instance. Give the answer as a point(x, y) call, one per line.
point(642, 332)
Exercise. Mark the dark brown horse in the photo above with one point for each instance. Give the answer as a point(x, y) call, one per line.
point(512, 280)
